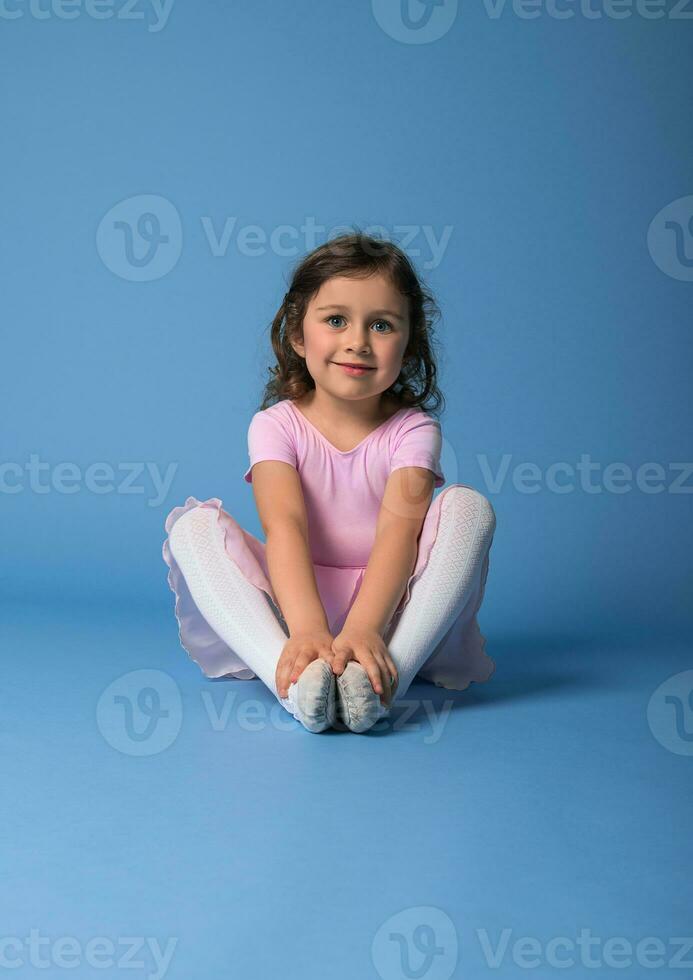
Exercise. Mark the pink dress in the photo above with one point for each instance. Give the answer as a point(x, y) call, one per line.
point(343, 492)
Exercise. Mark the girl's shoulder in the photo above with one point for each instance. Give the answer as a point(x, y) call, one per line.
point(278, 412)
point(277, 407)
point(274, 422)
point(413, 416)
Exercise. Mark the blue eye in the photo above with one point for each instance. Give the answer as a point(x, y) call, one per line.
point(337, 316)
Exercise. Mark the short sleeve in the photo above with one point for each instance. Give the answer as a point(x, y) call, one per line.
point(268, 438)
point(419, 443)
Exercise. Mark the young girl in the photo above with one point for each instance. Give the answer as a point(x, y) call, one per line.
point(364, 581)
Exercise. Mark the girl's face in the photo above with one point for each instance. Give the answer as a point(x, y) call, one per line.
point(355, 321)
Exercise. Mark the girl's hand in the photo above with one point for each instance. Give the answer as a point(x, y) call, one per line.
point(300, 650)
point(366, 646)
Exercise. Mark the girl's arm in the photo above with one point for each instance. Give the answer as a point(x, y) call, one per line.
point(404, 507)
point(391, 563)
point(281, 508)
point(293, 577)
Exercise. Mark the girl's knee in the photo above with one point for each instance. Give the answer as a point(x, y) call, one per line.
point(476, 502)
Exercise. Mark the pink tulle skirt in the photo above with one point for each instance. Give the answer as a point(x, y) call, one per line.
point(458, 659)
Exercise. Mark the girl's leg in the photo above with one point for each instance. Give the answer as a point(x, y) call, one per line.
point(238, 612)
point(460, 657)
point(451, 585)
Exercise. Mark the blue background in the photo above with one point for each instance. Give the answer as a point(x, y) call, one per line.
point(547, 147)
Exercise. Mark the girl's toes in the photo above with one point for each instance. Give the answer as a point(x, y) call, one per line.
point(359, 704)
point(315, 696)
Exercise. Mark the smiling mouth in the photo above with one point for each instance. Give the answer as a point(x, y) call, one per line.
point(363, 367)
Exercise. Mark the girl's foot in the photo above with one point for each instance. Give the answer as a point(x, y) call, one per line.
point(315, 696)
point(358, 705)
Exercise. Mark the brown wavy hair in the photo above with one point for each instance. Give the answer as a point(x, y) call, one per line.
point(357, 256)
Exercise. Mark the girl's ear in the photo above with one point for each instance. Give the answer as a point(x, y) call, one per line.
point(299, 347)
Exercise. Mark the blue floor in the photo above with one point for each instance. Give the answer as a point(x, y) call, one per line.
point(178, 826)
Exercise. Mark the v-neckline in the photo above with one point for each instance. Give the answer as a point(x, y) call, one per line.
point(344, 452)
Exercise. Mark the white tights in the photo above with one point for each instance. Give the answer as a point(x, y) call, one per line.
point(245, 619)
point(238, 612)
point(451, 583)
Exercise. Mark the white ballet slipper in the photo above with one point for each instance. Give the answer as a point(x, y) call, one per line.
point(314, 696)
point(358, 705)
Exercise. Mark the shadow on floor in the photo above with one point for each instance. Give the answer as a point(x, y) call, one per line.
point(526, 667)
